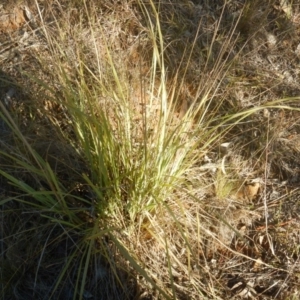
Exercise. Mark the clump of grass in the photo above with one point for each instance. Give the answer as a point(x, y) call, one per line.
point(127, 221)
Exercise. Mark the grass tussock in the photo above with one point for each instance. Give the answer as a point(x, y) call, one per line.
point(149, 151)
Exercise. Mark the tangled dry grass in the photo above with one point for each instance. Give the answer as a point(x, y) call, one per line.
point(149, 150)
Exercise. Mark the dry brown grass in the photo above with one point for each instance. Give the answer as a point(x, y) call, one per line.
point(227, 226)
